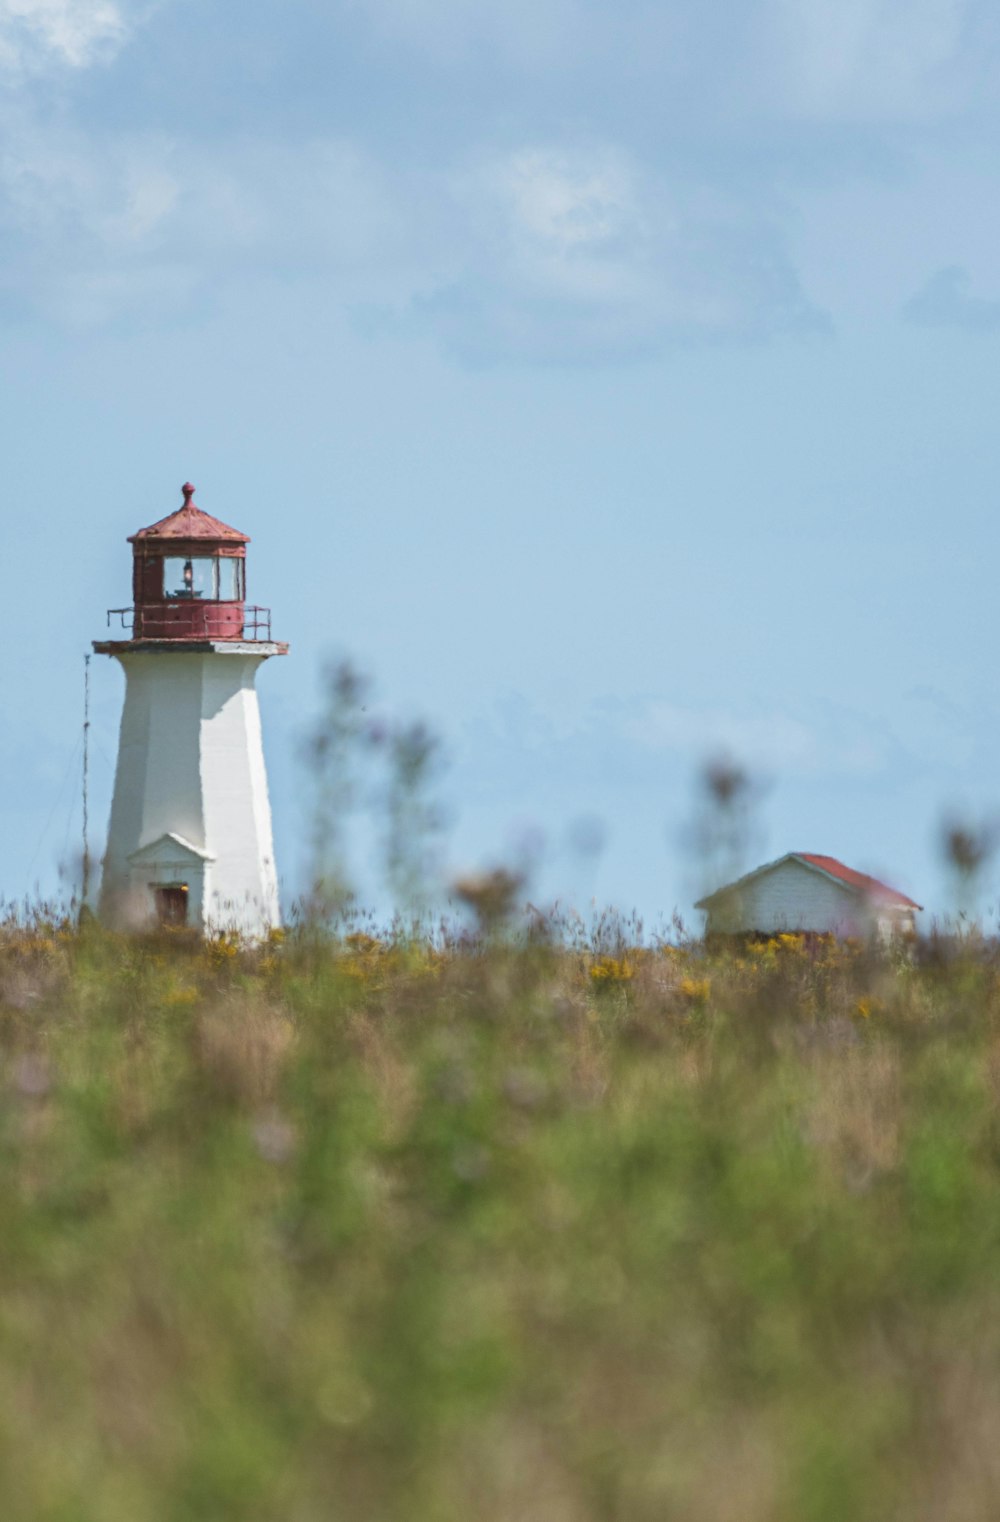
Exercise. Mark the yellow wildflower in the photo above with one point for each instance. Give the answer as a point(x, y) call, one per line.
point(181, 998)
point(361, 943)
point(611, 970)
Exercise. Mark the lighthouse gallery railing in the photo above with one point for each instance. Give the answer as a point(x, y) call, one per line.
point(155, 625)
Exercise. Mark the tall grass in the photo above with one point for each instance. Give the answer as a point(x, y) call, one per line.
point(503, 1229)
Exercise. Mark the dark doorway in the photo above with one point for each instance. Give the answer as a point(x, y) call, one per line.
point(172, 904)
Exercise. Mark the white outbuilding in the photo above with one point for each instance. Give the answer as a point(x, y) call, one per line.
point(805, 893)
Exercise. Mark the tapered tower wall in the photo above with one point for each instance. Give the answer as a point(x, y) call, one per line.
point(190, 797)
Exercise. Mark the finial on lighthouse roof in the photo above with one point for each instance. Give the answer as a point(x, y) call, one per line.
point(189, 522)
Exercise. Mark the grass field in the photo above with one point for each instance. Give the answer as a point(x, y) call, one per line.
point(509, 1232)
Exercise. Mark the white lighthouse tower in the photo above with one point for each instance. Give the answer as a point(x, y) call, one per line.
point(190, 840)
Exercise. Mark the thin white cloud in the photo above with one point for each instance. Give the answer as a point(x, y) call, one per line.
point(642, 739)
point(113, 195)
point(581, 255)
point(827, 60)
point(871, 59)
point(564, 202)
point(74, 33)
point(768, 742)
point(946, 301)
point(545, 254)
point(531, 33)
point(96, 228)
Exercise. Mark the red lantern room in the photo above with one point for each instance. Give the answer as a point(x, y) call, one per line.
point(189, 580)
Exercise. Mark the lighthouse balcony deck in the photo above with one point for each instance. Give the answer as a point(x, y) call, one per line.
point(259, 647)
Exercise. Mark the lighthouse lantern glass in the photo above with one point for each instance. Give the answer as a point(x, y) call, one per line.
point(189, 576)
point(230, 578)
point(209, 577)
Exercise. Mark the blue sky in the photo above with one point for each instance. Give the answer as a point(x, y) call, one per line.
point(615, 383)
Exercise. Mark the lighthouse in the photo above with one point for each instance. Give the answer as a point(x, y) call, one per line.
point(190, 840)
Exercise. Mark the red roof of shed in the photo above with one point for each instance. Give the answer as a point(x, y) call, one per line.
point(189, 522)
point(858, 882)
point(869, 886)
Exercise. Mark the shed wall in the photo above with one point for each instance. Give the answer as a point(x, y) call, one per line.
point(790, 897)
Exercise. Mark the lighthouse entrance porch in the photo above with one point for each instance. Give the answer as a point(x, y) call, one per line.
point(164, 884)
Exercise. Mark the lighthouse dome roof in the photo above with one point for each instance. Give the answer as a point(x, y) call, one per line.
point(189, 522)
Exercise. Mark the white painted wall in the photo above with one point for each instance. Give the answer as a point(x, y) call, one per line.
point(191, 763)
point(792, 896)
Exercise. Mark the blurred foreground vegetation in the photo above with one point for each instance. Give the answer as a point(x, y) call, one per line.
point(508, 1231)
